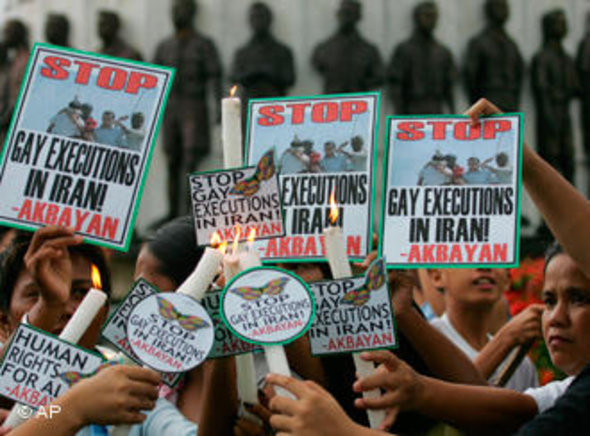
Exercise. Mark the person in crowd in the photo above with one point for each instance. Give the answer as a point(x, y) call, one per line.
point(334, 161)
point(110, 131)
point(68, 121)
point(502, 172)
point(435, 172)
point(358, 155)
point(476, 174)
point(294, 160)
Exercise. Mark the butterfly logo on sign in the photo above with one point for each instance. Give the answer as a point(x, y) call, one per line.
point(264, 171)
point(187, 322)
point(72, 377)
point(374, 279)
point(272, 288)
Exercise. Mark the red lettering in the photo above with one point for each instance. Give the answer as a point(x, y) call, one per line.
point(297, 112)
point(51, 215)
point(54, 69)
point(492, 126)
point(470, 251)
point(39, 211)
point(350, 108)
point(111, 78)
point(140, 80)
point(109, 227)
point(500, 252)
point(25, 210)
point(84, 71)
point(461, 131)
point(439, 129)
point(80, 218)
point(94, 226)
point(353, 245)
point(297, 249)
point(410, 131)
point(325, 112)
point(271, 114)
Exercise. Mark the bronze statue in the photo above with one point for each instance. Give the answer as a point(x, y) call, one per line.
point(493, 66)
point(263, 66)
point(109, 25)
point(583, 66)
point(16, 39)
point(555, 84)
point(186, 121)
point(347, 61)
point(421, 71)
point(57, 30)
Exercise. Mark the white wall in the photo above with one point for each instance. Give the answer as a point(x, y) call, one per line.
point(302, 24)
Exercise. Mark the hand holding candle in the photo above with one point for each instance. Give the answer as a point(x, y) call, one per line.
point(340, 268)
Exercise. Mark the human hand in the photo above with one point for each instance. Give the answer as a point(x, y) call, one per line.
point(402, 385)
point(245, 427)
point(48, 261)
point(481, 107)
point(402, 283)
point(314, 413)
point(3, 415)
point(524, 327)
point(116, 395)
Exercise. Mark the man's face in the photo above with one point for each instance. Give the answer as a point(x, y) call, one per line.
point(566, 319)
point(107, 27)
point(260, 20)
point(108, 119)
point(27, 292)
point(473, 164)
point(471, 287)
point(329, 149)
point(498, 11)
point(183, 13)
point(348, 15)
point(137, 121)
point(426, 18)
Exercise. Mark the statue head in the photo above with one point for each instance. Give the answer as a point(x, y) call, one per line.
point(497, 11)
point(425, 17)
point(183, 14)
point(260, 18)
point(57, 29)
point(16, 34)
point(108, 25)
point(349, 14)
point(554, 25)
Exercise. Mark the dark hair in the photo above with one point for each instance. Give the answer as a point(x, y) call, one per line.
point(175, 247)
point(12, 263)
point(553, 250)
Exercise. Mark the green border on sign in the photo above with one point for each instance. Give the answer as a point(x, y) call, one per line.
point(394, 326)
point(222, 170)
point(267, 268)
point(168, 71)
point(371, 171)
point(518, 166)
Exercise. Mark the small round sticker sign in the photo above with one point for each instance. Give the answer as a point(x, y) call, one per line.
point(267, 306)
point(170, 332)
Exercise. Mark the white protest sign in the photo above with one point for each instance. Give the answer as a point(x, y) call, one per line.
point(353, 314)
point(170, 332)
point(37, 366)
point(115, 329)
point(452, 191)
point(226, 343)
point(246, 197)
point(324, 144)
point(267, 306)
point(80, 143)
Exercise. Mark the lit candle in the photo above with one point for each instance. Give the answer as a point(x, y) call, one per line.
point(198, 282)
point(249, 258)
point(231, 130)
point(72, 332)
point(231, 261)
point(340, 268)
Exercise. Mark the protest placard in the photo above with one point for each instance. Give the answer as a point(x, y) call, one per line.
point(267, 306)
point(226, 343)
point(244, 198)
point(37, 366)
point(353, 314)
point(452, 191)
point(170, 332)
point(115, 328)
point(80, 143)
point(324, 145)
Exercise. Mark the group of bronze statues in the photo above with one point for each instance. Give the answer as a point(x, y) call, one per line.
point(419, 77)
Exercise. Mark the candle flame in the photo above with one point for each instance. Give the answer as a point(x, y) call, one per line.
point(333, 207)
point(233, 90)
point(95, 274)
point(215, 240)
point(251, 237)
point(237, 234)
point(222, 247)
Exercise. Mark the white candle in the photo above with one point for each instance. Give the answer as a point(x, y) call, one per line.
point(231, 132)
point(340, 268)
point(198, 282)
point(72, 332)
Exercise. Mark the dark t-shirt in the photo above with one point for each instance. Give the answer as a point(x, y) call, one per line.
point(569, 416)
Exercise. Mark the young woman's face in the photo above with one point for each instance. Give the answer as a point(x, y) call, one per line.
point(147, 267)
point(566, 320)
point(27, 291)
